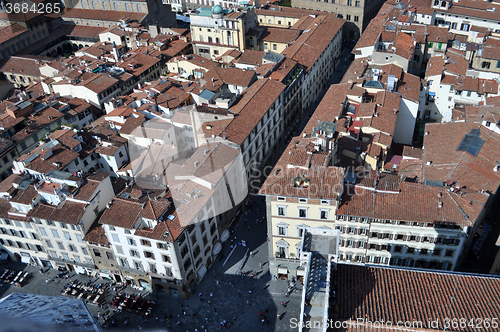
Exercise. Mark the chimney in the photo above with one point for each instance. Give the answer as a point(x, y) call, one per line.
point(153, 31)
point(115, 52)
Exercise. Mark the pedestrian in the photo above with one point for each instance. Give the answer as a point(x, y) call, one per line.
point(248, 227)
point(250, 292)
point(211, 295)
point(251, 253)
point(215, 309)
point(217, 281)
point(260, 265)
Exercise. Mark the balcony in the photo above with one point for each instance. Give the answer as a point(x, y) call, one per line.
point(286, 260)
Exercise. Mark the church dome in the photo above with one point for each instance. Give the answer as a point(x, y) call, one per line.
point(217, 10)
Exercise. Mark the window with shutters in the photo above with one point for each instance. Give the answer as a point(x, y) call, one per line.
point(398, 248)
point(282, 211)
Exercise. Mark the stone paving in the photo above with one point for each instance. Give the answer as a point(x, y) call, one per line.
point(236, 298)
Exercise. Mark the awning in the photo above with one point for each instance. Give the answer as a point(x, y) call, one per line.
point(282, 270)
point(201, 272)
point(282, 243)
point(79, 269)
point(301, 272)
point(25, 258)
point(217, 248)
point(224, 236)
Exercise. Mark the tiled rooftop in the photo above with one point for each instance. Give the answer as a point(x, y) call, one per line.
point(311, 44)
point(442, 161)
point(412, 202)
point(379, 294)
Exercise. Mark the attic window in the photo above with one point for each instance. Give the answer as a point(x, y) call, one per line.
point(166, 233)
point(171, 217)
point(301, 182)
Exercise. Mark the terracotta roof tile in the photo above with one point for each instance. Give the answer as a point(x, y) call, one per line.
point(121, 213)
point(233, 76)
point(97, 235)
point(68, 212)
point(256, 100)
point(303, 172)
point(377, 294)
point(311, 44)
point(102, 15)
point(413, 202)
point(449, 165)
point(251, 57)
point(279, 35)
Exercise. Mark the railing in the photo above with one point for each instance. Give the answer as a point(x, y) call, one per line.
point(287, 260)
point(304, 291)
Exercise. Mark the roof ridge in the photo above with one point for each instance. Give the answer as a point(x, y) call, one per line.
point(126, 200)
